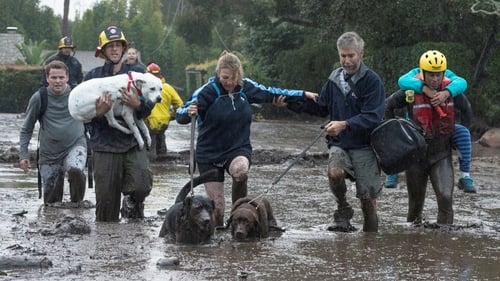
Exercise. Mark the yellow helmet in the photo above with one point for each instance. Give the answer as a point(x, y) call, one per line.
point(432, 61)
point(110, 34)
point(66, 42)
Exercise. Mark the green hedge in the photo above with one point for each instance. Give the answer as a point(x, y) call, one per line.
point(18, 84)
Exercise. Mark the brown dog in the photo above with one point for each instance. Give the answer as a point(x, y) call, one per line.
point(251, 217)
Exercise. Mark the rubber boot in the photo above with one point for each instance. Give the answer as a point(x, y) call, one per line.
point(369, 208)
point(344, 212)
point(139, 210)
point(77, 185)
point(239, 189)
point(132, 209)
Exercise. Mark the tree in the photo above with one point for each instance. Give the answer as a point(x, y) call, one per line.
point(33, 53)
point(34, 22)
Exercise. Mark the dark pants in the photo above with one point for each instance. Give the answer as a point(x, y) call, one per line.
point(158, 149)
point(117, 173)
point(440, 171)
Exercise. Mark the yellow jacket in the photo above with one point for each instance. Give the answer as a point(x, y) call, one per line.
point(160, 115)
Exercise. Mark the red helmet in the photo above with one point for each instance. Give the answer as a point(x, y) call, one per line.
point(153, 68)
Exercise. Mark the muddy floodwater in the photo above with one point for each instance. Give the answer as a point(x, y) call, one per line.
point(302, 203)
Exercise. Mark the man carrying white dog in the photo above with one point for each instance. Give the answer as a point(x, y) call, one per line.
point(119, 165)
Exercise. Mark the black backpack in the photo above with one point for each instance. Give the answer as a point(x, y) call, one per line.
point(44, 97)
point(398, 144)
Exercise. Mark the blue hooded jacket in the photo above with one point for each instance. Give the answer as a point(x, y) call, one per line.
point(224, 118)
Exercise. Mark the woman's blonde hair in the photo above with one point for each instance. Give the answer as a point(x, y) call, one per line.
point(230, 61)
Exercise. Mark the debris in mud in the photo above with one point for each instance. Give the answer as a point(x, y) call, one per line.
point(170, 261)
point(20, 214)
point(243, 272)
point(449, 227)
point(68, 225)
point(85, 204)
point(23, 262)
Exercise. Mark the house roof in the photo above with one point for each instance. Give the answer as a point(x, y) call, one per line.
point(9, 53)
point(88, 60)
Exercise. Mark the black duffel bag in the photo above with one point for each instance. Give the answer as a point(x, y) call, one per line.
point(397, 144)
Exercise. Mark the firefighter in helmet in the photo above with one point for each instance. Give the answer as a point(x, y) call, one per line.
point(161, 115)
point(120, 167)
point(66, 54)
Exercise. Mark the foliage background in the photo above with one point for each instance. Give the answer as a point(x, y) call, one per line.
point(290, 43)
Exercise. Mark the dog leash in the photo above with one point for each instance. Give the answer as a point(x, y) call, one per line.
point(301, 154)
point(131, 82)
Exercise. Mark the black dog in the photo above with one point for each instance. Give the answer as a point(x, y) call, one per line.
point(191, 219)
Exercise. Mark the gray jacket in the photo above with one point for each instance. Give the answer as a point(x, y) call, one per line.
point(59, 130)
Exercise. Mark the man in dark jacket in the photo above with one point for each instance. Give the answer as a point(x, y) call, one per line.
point(354, 99)
point(66, 54)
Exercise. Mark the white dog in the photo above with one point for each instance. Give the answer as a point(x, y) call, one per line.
point(82, 99)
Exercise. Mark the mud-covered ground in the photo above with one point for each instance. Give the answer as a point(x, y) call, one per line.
point(35, 247)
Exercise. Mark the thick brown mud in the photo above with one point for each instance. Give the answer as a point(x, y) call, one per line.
point(63, 242)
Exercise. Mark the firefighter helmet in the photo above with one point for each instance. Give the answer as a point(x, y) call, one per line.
point(111, 33)
point(432, 61)
point(66, 42)
point(153, 68)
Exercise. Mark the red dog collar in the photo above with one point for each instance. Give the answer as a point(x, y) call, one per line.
point(132, 83)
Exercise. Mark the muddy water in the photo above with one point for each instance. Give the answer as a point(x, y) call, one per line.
point(470, 250)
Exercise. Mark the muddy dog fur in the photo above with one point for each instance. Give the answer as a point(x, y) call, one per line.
point(191, 219)
point(252, 218)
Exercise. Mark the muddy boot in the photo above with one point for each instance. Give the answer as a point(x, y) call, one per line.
point(239, 189)
point(344, 212)
point(139, 210)
point(341, 220)
point(369, 207)
point(131, 209)
point(77, 185)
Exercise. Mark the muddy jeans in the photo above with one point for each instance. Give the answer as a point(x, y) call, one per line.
point(53, 176)
point(117, 173)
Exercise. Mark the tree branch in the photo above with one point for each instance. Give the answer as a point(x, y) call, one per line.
point(293, 21)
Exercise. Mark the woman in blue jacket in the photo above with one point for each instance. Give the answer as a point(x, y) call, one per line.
point(224, 117)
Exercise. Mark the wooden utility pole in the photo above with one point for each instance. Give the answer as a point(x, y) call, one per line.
point(65, 25)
